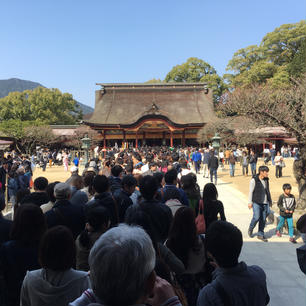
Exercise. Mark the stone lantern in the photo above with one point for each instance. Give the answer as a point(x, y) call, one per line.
point(216, 140)
point(86, 146)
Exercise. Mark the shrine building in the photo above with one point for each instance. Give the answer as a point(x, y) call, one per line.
point(151, 114)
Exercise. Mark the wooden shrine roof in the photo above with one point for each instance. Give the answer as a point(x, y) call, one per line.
point(126, 104)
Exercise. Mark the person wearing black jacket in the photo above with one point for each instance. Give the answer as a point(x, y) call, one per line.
point(213, 165)
point(286, 204)
point(65, 213)
point(5, 225)
point(160, 214)
point(115, 178)
point(104, 198)
point(3, 173)
point(39, 196)
point(259, 200)
point(122, 196)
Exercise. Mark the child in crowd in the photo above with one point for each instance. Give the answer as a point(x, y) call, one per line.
point(286, 204)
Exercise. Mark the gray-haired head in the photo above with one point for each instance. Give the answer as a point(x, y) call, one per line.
point(120, 262)
point(62, 191)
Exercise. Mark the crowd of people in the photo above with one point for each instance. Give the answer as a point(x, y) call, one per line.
point(128, 230)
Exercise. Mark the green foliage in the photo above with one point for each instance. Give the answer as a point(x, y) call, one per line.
point(197, 70)
point(216, 83)
point(272, 61)
point(41, 105)
point(244, 58)
point(281, 45)
point(297, 67)
point(193, 70)
point(12, 85)
point(26, 115)
point(154, 81)
point(281, 78)
point(15, 128)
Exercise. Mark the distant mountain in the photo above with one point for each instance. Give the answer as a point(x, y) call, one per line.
point(10, 85)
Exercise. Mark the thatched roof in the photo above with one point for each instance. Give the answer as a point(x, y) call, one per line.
point(180, 103)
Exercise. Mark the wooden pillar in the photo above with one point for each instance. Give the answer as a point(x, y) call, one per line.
point(104, 139)
point(171, 139)
point(144, 139)
point(164, 138)
point(183, 138)
point(136, 140)
point(263, 147)
point(124, 139)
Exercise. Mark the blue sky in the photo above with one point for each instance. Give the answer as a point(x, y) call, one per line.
point(71, 45)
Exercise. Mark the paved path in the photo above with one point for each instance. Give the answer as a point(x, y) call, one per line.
point(286, 283)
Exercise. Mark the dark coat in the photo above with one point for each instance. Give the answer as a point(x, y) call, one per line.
point(12, 187)
point(78, 197)
point(213, 163)
point(2, 179)
point(211, 211)
point(5, 228)
point(160, 215)
point(37, 198)
point(115, 183)
point(23, 182)
point(253, 159)
point(184, 199)
point(65, 213)
point(123, 201)
point(106, 200)
point(15, 260)
point(286, 203)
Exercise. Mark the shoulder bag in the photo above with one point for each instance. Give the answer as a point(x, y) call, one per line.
point(200, 220)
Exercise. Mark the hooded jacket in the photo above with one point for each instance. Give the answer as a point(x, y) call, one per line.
point(82, 252)
point(37, 198)
point(104, 199)
point(48, 288)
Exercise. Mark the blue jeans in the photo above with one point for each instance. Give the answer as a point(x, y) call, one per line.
point(281, 224)
point(260, 212)
point(253, 168)
point(232, 169)
point(213, 172)
point(197, 165)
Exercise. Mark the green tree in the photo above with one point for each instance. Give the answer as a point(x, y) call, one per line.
point(25, 115)
point(197, 70)
point(271, 60)
point(192, 70)
point(41, 105)
point(244, 58)
point(281, 45)
point(154, 81)
point(297, 66)
point(217, 84)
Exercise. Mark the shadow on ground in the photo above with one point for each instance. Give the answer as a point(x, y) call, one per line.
point(286, 282)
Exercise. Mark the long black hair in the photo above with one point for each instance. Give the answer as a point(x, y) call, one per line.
point(210, 192)
point(183, 234)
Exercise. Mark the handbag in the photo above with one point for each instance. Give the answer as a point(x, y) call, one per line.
point(282, 164)
point(200, 220)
